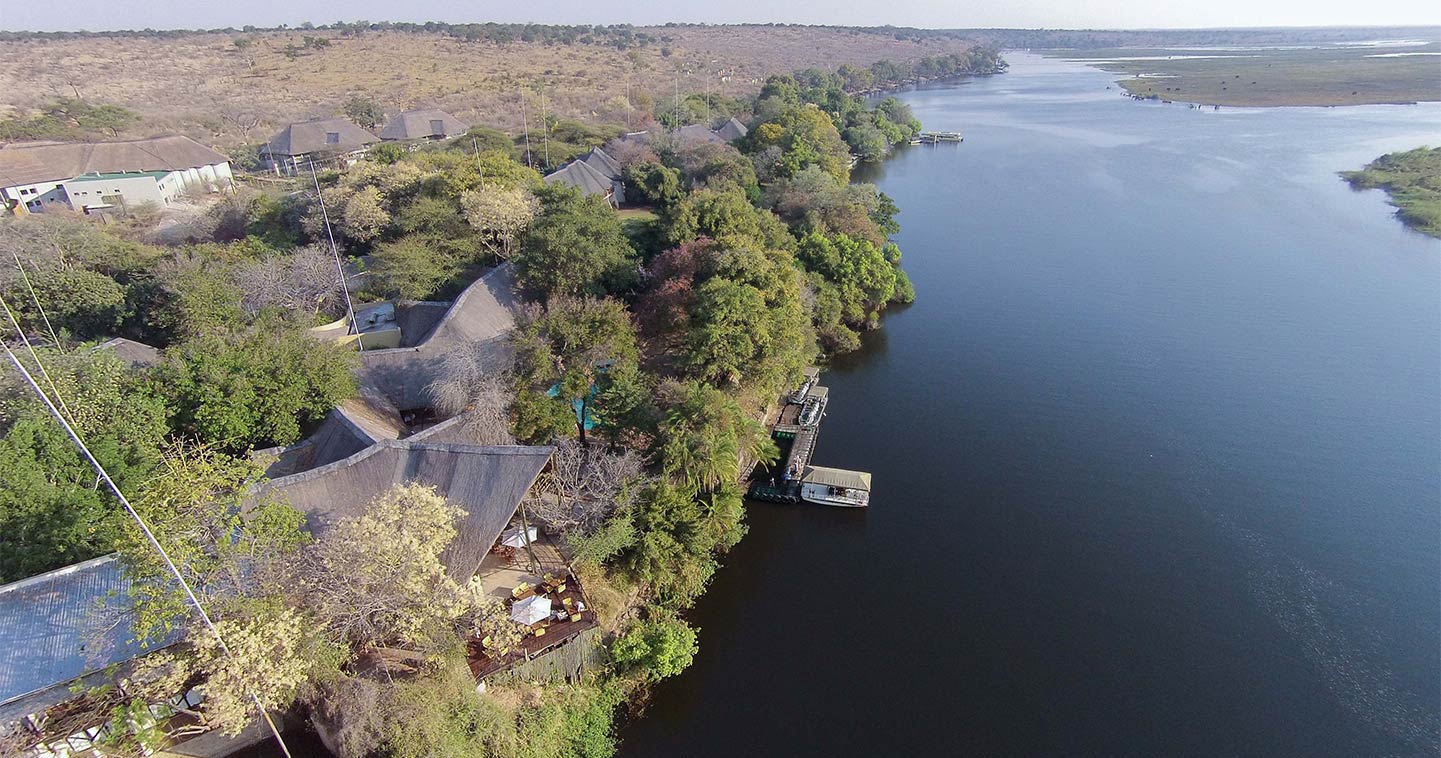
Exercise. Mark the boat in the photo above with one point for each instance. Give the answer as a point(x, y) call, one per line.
point(836, 486)
point(812, 376)
point(815, 405)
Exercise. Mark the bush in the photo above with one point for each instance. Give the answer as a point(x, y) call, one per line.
point(659, 648)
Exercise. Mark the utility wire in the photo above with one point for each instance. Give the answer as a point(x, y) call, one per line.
point(144, 528)
point(53, 339)
point(335, 252)
point(35, 356)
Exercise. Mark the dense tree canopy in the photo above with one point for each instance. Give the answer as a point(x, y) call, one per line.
point(257, 388)
point(575, 246)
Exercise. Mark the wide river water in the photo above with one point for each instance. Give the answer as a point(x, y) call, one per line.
point(1157, 455)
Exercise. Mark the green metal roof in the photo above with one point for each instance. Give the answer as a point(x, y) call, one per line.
point(157, 175)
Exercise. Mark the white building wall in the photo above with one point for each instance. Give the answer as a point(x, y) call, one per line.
point(35, 197)
point(42, 196)
point(132, 191)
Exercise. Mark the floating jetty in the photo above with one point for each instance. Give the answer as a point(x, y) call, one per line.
point(932, 138)
point(794, 427)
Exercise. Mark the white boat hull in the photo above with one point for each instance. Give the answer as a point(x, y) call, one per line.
point(821, 494)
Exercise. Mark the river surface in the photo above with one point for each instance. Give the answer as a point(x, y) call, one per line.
point(1157, 456)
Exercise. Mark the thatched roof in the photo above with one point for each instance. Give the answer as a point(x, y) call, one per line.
point(487, 483)
point(601, 161)
point(481, 319)
point(352, 426)
point(420, 124)
point(582, 176)
point(136, 354)
point(697, 132)
point(40, 162)
point(732, 130)
point(309, 137)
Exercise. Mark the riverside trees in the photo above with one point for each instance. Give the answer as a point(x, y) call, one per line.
point(645, 358)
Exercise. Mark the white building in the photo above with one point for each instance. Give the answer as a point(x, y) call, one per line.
point(97, 175)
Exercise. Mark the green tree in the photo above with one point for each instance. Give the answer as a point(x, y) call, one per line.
point(257, 388)
point(659, 649)
point(53, 512)
point(410, 268)
point(377, 579)
point(237, 550)
point(575, 246)
point(570, 355)
point(364, 111)
point(86, 304)
point(806, 136)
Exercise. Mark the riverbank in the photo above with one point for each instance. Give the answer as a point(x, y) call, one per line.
point(1411, 181)
point(1399, 72)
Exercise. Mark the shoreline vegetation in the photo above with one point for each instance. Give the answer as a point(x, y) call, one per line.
point(672, 325)
point(1292, 75)
point(1412, 182)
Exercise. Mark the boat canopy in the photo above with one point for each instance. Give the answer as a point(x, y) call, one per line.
point(837, 477)
point(818, 392)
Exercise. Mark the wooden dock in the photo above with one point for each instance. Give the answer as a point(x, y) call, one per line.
point(932, 138)
point(795, 427)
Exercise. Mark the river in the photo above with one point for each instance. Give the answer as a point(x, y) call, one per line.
point(1157, 455)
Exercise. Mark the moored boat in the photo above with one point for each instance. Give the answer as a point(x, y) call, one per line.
point(836, 486)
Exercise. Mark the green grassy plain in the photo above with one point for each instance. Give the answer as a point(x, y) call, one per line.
point(1328, 75)
point(1413, 182)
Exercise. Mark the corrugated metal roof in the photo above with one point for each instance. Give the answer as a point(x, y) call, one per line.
point(837, 477)
point(59, 626)
point(29, 163)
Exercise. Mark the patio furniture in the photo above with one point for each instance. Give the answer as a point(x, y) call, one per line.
point(540, 631)
point(531, 610)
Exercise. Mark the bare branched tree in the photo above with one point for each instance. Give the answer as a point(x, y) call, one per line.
point(585, 484)
point(304, 281)
point(470, 386)
point(242, 119)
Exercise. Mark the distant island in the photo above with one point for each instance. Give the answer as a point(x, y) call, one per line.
point(1396, 66)
point(1412, 180)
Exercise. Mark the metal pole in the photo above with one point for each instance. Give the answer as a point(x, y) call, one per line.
point(525, 121)
point(335, 253)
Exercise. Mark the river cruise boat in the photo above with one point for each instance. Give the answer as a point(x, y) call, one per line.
point(836, 486)
point(812, 375)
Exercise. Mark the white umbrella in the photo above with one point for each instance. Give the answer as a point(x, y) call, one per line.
point(518, 537)
point(530, 610)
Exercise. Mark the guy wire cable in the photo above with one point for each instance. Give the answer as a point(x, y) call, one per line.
point(144, 528)
point(23, 275)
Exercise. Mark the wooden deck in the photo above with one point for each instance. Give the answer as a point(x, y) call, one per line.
point(483, 663)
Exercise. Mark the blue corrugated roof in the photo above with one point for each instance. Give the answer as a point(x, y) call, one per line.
point(53, 626)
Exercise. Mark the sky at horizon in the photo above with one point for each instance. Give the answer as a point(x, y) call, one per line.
point(1146, 14)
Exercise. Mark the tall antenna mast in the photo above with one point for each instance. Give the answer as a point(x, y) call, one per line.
point(335, 253)
point(525, 125)
point(545, 127)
